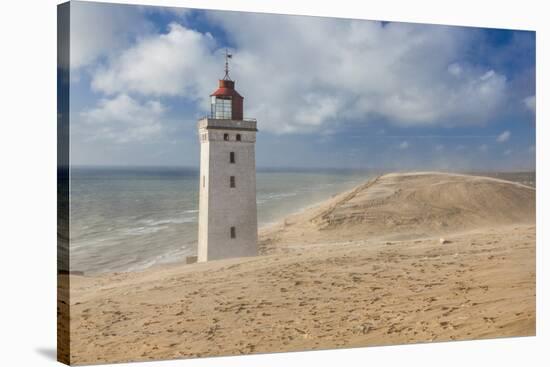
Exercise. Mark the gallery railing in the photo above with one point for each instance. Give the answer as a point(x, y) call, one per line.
point(213, 117)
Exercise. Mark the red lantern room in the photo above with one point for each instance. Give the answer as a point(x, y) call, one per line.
point(226, 103)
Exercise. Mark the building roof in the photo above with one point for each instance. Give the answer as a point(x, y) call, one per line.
point(226, 89)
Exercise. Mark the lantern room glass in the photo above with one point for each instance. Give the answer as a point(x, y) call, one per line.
point(221, 107)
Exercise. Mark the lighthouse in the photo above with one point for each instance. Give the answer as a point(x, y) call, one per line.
point(228, 224)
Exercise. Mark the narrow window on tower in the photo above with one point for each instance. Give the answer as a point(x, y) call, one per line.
point(232, 181)
point(203, 181)
point(232, 157)
point(238, 137)
point(225, 136)
point(233, 232)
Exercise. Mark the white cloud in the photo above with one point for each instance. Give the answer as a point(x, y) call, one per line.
point(98, 30)
point(488, 75)
point(508, 152)
point(406, 74)
point(122, 119)
point(404, 145)
point(178, 63)
point(304, 74)
point(530, 103)
point(439, 147)
point(505, 136)
point(454, 69)
point(483, 147)
point(317, 109)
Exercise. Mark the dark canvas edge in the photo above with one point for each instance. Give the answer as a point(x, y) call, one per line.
point(63, 95)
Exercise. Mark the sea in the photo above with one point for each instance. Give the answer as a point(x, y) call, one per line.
point(129, 219)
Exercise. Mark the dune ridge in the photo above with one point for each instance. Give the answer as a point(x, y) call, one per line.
point(405, 206)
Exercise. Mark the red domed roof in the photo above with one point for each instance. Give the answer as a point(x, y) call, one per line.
point(226, 88)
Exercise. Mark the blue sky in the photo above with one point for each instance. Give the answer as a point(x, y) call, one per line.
point(326, 92)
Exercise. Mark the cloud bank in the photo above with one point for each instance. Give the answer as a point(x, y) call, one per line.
point(304, 74)
point(123, 119)
point(367, 89)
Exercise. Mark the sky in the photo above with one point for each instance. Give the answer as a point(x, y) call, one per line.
point(326, 92)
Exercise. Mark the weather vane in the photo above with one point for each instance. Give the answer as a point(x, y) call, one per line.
point(227, 57)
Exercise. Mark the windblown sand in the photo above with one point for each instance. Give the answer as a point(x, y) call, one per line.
point(365, 268)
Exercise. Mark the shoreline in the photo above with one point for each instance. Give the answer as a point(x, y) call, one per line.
point(182, 261)
point(312, 206)
point(268, 228)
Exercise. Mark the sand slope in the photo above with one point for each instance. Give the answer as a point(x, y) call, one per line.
point(406, 205)
point(333, 277)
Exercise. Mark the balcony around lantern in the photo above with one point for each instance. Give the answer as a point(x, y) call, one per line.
point(211, 122)
point(214, 117)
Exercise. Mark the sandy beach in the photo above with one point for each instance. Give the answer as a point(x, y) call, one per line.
point(403, 258)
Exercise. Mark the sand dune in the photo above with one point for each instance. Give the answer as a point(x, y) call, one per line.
point(404, 206)
point(364, 268)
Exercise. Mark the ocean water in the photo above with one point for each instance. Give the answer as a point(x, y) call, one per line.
point(128, 219)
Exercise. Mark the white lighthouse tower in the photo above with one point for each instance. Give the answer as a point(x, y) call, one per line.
point(228, 224)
